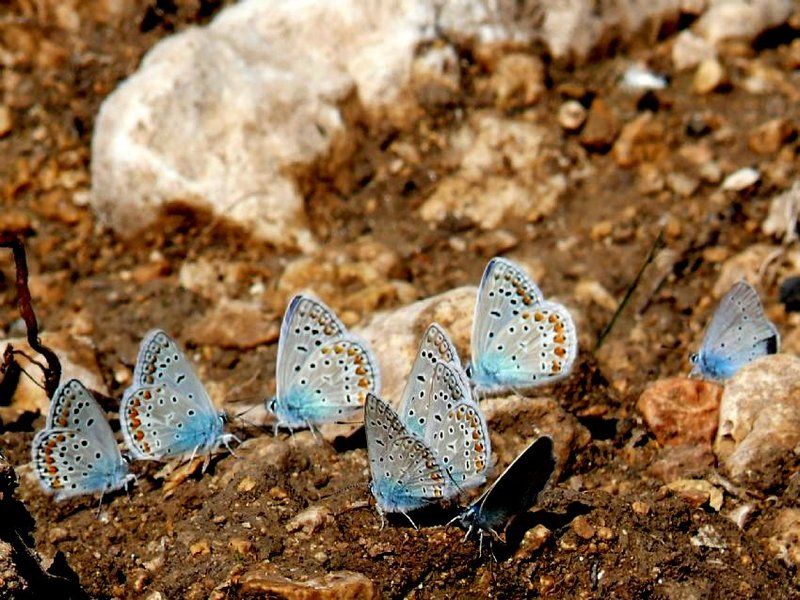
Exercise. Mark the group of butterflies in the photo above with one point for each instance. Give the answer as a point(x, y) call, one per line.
point(433, 450)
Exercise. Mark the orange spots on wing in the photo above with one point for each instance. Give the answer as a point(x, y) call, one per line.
point(361, 371)
point(538, 316)
point(139, 435)
point(325, 350)
point(338, 349)
point(560, 352)
point(553, 318)
point(363, 382)
point(52, 470)
point(559, 339)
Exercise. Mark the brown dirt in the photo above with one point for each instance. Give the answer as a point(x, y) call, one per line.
point(206, 532)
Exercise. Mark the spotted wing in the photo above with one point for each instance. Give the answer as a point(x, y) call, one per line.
point(504, 287)
point(161, 361)
point(456, 431)
point(159, 422)
point(739, 331)
point(434, 348)
point(518, 487)
point(333, 382)
point(71, 463)
point(400, 458)
point(307, 324)
point(74, 407)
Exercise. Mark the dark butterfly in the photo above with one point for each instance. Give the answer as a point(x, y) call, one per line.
point(516, 490)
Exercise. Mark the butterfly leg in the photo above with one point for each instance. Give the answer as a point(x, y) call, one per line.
point(410, 520)
point(383, 518)
point(313, 430)
point(469, 533)
point(480, 545)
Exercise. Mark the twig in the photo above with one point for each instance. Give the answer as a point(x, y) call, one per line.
point(52, 374)
point(657, 244)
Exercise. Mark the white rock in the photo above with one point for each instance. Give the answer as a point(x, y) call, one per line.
point(639, 77)
point(784, 210)
point(689, 50)
point(395, 335)
point(741, 179)
point(759, 421)
point(742, 19)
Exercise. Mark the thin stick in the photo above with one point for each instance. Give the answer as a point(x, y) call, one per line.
point(657, 245)
point(52, 374)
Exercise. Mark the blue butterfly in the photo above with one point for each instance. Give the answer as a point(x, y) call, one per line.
point(323, 372)
point(515, 491)
point(437, 407)
point(167, 411)
point(519, 340)
point(76, 452)
point(406, 475)
point(739, 333)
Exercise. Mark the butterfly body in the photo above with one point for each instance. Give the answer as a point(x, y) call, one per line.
point(76, 453)
point(738, 333)
point(519, 339)
point(323, 372)
point(167, 412)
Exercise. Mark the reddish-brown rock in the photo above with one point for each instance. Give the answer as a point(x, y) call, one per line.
point(679, 410)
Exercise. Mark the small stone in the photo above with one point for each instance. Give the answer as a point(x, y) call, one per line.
point(601, 128)
point(748, 265)
point(710, 76)
point(518, 80)
point(200, 548)
point(533, 539)
point(260, 581)
point(697, 492)
point(547, 583)
point(6, 123)
point(241, 546)
point(15, 221)
point(684, 460)
point(689, 50)
point(582, 528)
point(708, 537)
point(716, 254)
point(571, 115)
point(591, 291)
point(769, 137)
point(784, 542)
point(57, 535)
point(680, 410)
point(741, 180)
point(640, 508)
point(682, 184)
point(605, 533)
point(601, 230)
point(247, 484)
point(641, 140)
point(759, 421)
point(235, 324)
point(310, 520)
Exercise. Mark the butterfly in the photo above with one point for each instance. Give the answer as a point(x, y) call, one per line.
point(406, 475)
point(516, 490)
point(167, 411)
point(519, 340)
point(437, 407)
point(76, 452)
point(739, 333)
point(324, 373)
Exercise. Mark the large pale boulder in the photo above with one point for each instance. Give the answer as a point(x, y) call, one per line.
point(759, 421)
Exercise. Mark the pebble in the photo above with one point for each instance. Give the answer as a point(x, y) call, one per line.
point(784, 542)
point(235, 324)
point(683, 185)
point(709, 76)
point(247, 484)
point(582, 528)
point(262, 582)
point(689, 50)
point(769, 137)
point(532, 541)
point(591, 291)
point(571, 115)
point(680, 410)
point(640, 508)
point(741, 180)
point(6, 123)
point(241, 546)
point(640, 140)
point(200, 548)
point(697, 492)
point(518, 80)
point(601, 129)
point(310, 520)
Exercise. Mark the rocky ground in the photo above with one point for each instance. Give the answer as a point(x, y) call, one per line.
point(667, 487)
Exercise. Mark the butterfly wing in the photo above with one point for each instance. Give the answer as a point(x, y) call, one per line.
point(456, 431)
point(161, 361)
point(739, 333)
point(307, 324)
point(504, 286)
point(332, 384)
point(434, 348)
point(405, 473)
point(160, 422)
point(70, 463)
point(74, 407)
point(516, 490)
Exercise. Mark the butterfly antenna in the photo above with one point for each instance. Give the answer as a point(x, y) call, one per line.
point(657, 245)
